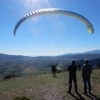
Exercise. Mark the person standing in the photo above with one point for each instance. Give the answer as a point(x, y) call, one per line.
point(53, 68)
point(72, 76)
point(79, 67)
point(86, 73)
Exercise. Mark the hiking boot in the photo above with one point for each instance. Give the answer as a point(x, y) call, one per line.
point(69, 92)
point(85, 93)
point(76, 92)
point(90, 92)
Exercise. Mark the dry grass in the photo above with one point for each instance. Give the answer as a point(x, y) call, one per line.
point(45, 87)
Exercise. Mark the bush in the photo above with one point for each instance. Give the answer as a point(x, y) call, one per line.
point(21, 98)
point(11, 76)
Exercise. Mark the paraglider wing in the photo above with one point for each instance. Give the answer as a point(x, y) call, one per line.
point(55, 11)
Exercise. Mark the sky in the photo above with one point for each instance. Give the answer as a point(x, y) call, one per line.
point(48, 35)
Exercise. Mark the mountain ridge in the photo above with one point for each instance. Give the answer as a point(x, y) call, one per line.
point(87, 52)
point(25, 65)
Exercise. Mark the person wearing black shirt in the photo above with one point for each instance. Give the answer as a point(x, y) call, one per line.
point(53, 68)
point(72, 76)
point(86, 74)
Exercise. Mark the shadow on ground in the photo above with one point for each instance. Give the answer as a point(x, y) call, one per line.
point(80, 97)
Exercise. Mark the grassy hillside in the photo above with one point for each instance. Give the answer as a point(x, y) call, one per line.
point(45, 87)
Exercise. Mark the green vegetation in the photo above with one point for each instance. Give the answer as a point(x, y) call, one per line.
point(45, 87)
point(21, 98)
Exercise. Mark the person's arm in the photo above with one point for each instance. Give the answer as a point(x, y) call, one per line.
point(68, 68)
point(76, 67)
point(82, 70)
point(56, 64)
point(91, 69)
point(49, 65)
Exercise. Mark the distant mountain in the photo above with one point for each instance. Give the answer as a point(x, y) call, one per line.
point(87, 52)
point(6, 57)
point(92, 52)
point(95, 54)
point(25, 65)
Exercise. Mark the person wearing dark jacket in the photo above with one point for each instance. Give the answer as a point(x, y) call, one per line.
point(79, 67)
point(53, 68)
point(72, 76)
point(86, 72)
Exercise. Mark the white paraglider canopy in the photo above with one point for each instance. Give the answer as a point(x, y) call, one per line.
point(55, 11)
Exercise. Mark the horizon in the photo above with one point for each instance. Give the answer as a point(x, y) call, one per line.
point(53, 55)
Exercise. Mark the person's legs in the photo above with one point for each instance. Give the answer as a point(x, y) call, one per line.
point(85, 85)
point(75, 83)
point(70, 84)
point(53, 73)
point(89, 84)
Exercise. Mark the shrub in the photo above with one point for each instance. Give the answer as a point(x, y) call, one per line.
point(21, 98)
point(10, 76)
